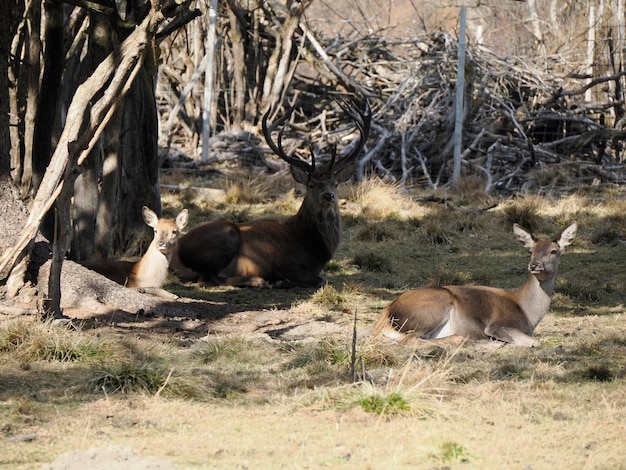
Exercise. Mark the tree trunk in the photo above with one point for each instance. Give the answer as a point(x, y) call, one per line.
point(105, 209)
point(139, 159)
point(34, 69)
point(12, 211)
point(238, 62)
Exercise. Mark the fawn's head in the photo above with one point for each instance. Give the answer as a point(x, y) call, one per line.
point(166, 231)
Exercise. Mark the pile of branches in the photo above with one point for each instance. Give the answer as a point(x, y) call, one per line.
point(522, 127)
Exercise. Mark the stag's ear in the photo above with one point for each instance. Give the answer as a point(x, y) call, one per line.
point(299, 174)
point(345, 173)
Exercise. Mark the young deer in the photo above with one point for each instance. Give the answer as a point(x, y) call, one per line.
point(451, 313)
point(289, 253)
point(151, 270)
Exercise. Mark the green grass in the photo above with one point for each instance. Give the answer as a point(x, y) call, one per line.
point(390, 404)
point(452, 453)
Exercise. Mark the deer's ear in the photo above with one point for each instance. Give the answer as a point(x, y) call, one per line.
point(299, 174)
point(523, 236)
point(566, 238)
point(149, 217)
point(182, 219)
point(346, 172)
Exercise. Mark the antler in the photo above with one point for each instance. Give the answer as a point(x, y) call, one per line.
point(277, 147)
point(362, 119)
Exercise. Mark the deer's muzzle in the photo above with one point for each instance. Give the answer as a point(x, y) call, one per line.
point(164, 246)
point(328, 197)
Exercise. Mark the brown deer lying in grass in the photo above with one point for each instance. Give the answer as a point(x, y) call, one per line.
point(151, 270)
point(452, 313)
point(288, 253)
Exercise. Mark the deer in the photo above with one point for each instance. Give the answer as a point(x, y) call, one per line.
point(278, 253)
point(152, 269)
point(453, 314)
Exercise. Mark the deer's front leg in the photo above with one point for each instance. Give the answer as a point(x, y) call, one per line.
point(511, 335)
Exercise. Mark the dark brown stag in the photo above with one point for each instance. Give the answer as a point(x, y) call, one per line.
point(278, 253)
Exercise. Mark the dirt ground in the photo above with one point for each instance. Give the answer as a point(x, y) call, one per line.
point(497, 428)
point(495, 424)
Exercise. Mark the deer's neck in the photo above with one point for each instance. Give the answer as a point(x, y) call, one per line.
point(534, 297)
point(320, 227)
point(151, 269)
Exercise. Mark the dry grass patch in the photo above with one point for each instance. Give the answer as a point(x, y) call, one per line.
point(525, 212)
point(434, 232)
point(380, 200)
point(28, 340)
point(416, 389)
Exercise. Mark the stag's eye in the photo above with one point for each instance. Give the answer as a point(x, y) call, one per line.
point(554, 252)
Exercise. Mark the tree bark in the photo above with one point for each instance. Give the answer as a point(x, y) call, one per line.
point(92, 107)
point(12, 211)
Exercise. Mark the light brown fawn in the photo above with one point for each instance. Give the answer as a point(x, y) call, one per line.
point(274, 253)
point(151, 270)
point(453, 313)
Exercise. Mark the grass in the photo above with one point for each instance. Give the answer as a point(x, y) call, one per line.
point(233, 398)
point(390, 404)
point(452, 453)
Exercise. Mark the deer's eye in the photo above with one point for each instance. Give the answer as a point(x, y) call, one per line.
point(554, 252)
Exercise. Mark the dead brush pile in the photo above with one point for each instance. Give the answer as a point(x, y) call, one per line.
point(523, 129)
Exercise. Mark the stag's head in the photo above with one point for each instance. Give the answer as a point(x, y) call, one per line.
point(321, 178)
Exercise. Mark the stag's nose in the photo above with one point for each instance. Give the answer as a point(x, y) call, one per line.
point(535, 266)
point(328, 196)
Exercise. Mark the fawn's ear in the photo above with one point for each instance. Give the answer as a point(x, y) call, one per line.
point(523, 236)
point(182, 219)
point(149, 217)
point(566, 238)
